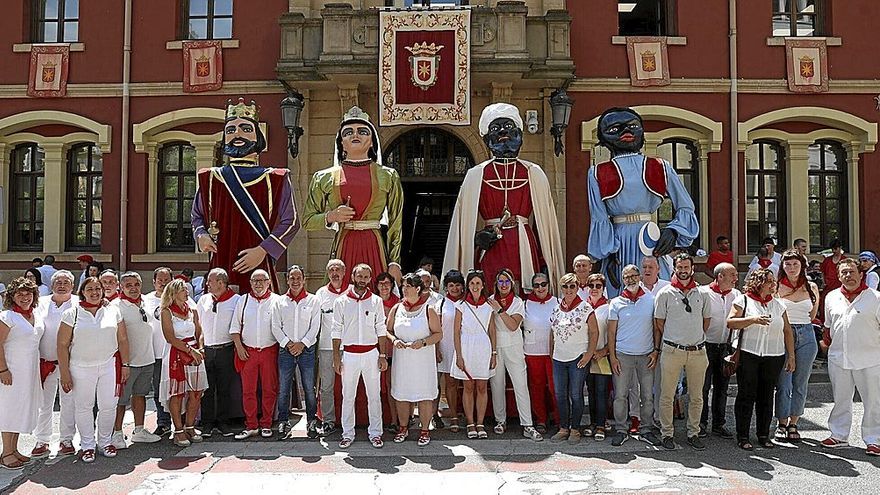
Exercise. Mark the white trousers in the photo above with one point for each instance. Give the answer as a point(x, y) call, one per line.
point(89, 383)
point(511, 361)
point(355, 366)
point(843, 383)
point(51, 387)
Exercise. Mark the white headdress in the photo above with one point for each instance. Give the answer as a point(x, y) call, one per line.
point(497, 111)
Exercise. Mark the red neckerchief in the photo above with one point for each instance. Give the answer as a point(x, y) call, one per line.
point(352, 294)
point(223, 297)
point(852, 295)
point(633, 297)
point(454, 299)
point(391, 301)
point(505, 301)
point(763, 300)
point(574, 303)
point(110, 298)
point(334, 290)
point(470, 299)
point(601, 302)
point(533, 297)
point(136, 302)
point(678, 285)
point(422, 300)
point(178, 311)
point(263, 297)
point(299, 297)
point(27, 313)
point(717, 290)
point(786, 282)
point(182, 277)
point(765, 262)
point(87, 305)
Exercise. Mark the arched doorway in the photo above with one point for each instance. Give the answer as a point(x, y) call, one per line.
point(431, 163)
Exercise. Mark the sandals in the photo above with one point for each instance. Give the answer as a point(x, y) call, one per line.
point(17, 464)
point(793, 435)
point(600, 434)
point(453, 425)
point(472, 432)
point(481, 432)
point(745, 445)
point(401, 434)
point(87, 456)
point(181, 443)
point(21, 457)
point(781, 433)
point(194, 435)
point(424, 438)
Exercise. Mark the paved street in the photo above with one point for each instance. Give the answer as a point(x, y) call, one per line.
point(506, 465)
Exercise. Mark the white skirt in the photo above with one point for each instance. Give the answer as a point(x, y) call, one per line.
point(414, 374)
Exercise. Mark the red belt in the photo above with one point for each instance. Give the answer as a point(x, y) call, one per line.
point(360, 349)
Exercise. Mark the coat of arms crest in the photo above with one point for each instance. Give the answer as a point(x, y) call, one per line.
point(424, 64)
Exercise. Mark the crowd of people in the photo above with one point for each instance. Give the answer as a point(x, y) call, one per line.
point(100, 343)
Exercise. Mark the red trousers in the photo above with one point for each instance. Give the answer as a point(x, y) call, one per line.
point(539, 370)
point(261, 367)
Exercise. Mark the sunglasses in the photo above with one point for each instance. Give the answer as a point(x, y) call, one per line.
point(214, 306)
point(504, 282)
point(570, 286)
point(595, 286)
point(143, 314)
point(687, 304)
point(540, 284)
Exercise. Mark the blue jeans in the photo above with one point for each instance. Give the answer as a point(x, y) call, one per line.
point(791, 389)
point(287, 364)
point(163, 417)
point(597, 387)
point(568, 380)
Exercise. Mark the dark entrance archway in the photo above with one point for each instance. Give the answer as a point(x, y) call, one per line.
point(431, 163)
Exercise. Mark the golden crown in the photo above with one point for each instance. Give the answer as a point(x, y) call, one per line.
point(424, 49)
point(355, 113)
point(241, 110)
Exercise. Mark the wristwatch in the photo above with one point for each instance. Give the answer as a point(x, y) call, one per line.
point(500, 310)
point(383, 356)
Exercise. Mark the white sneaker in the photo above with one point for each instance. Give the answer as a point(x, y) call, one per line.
point(141, 435)
point(118, 440)
point(532, 433)
point(245, 434)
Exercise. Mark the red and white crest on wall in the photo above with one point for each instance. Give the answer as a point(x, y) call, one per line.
point(202, 66)
point(424, 66)
point(648, 61)
point(807, 65)
point(48, 72)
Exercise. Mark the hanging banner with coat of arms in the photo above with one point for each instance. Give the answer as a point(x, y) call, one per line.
point(648, 61)
point(48, 74)
point(807, 65)
point(202, 66)
point(424, 66)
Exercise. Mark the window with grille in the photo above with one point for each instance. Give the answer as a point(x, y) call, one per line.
point(55, 21)
point(430, 153)
point(26, 198)
point(828, 198)
point(84, 191)
point(206, 20)
point(798, 18)
point(177, 189)
point(765, 194)
point(685, 159)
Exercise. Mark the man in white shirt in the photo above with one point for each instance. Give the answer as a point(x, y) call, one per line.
point(257, 352)
point(359, 342)
point(852, 340)
point(296, 319)
point(427, 279)
point(868, 263)
point(47, 269)
point(582, 267)
point(215, 309)
point(327, 297)
point(141, 360)
point(110, 284)
point(161, 277)
point(721, 294)
point(48, 316)
point(651, 280)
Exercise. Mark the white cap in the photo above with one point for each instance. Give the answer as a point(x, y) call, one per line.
point(497, 111)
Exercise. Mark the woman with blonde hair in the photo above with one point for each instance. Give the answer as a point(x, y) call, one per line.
point(184, 377)
point(20, 392)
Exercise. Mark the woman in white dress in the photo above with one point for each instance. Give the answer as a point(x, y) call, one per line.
point(453, 281)
point(19, 369)
point(183, 370)
point(475, 352)
point(93, 357)
point(414, 330)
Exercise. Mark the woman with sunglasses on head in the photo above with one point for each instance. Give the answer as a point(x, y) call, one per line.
point(475, 354)
point(539, 306)
point(599, 375)
point(453, 282)
point(766, 347)
point(801, 301)
point(93, 357)
point(509, 313)
point(572, 345)
point(414, 329)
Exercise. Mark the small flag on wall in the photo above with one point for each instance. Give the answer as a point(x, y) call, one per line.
point(202, 66)
point(48, 74)
point(806, 65)
point(648, 60)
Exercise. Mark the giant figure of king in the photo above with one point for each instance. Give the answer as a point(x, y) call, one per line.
point(244, 214)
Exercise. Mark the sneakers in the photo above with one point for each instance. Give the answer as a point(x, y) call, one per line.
point(618, 439)
point(634, 424)
point(245, 434)
point(377, 442)
point(833, 443)
point(162, 431)
point(704, 432)
point(109, 451)
point(574, 436)
point(118, 440)
point(66, 448)
point(668, 443)
point(140, 435)
point(720, 431)
point(40, 450)
point(284, 429)
point(651, 438)
point(696, 443)
point(266, 432)
point(345, 443)
point(87, 456)
point(873, 449)
point(225, 430)
point(328, 428)
point(499, 428)
point(560, 436)
point(312, 429)
point(207, 430)
point(531, 433)
point(424, 438)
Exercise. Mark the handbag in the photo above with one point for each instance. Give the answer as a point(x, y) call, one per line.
point(731, 362)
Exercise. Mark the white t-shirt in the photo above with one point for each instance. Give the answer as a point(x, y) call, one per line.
point(151, 307)
point(94, 337)
point(536, 326)
point(855, 329)
point(761, 340)
point(139, 332)
point(504, 337)
point(47, 318)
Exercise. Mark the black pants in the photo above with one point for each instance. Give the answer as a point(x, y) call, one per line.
point(715, 380)
point(217, 402)
point(756, 381)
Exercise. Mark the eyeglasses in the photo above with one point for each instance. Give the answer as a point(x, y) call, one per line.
point(570, 286)
point(504, 282)
point(143, 314)
point(687, 304)
point(540, 284)
point(595, 286)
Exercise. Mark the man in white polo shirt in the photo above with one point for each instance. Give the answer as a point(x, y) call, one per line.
point(681, 317)
point(296, 319)
point(141, 359)
point(852, 339)
point(359, 342)
point(327, 297)
point(215, 309)
point(257, 355)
